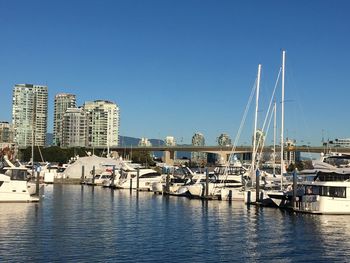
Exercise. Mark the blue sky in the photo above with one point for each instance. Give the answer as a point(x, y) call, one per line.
point(184, 66)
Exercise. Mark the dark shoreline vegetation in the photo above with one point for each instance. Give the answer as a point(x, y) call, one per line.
point(58, 155)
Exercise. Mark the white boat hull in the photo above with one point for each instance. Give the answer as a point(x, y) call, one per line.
point(15, 191)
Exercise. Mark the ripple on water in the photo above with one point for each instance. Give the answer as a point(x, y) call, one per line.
point(80, 224)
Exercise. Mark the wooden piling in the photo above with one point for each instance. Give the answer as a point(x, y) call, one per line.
point(137, 179)
point(295, 188)
point(37, 182)
point(167, 182)
point(257, 185)
point(206, 183)
point(82, 174)
point(113, 177)
point(93, 175)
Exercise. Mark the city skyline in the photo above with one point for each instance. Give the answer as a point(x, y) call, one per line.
point(177, 68)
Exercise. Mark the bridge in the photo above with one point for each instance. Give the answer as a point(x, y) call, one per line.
point(222, 151)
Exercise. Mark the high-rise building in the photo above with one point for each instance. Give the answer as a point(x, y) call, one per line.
point(6, 132)
point(102, 123)
point(29, 114)
point(145, 142)
point(224, 140)
point(170, 141)
point(260, 138)
point(74, 128)
point(63, 101)
point(198, 157)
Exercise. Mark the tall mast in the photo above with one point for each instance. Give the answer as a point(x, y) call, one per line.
point(33, 130)
point(274, 139)
point(256, 119)
point(282, 114)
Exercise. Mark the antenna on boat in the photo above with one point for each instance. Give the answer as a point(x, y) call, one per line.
point(282, 114)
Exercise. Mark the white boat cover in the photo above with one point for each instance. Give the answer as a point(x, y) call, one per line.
point(75, 170)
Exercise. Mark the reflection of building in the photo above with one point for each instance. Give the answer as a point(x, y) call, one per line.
point(198, 157)
point(144, 142)
point(102, 123)
point(29, 113)
point(170, 141)
point(6, 132)
point(224, 140)
point(63, 101)
point(74, 128)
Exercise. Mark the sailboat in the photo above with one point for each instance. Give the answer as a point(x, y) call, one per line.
point(264, 196)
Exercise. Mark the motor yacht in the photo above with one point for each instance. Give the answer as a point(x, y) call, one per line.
point(14, 186)
point(328, 193)
point(128, 179)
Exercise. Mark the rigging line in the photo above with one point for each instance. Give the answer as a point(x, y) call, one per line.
point(41, 155)
point(269, 108)
point(240, 127)
point(272, 98)
point(263, 144)
point(291, 78)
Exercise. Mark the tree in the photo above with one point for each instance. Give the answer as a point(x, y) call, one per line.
point(143, 157)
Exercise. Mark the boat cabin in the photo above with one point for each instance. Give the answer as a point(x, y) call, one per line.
point(17, 174)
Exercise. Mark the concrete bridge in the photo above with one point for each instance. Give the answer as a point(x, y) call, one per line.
point(222, 151)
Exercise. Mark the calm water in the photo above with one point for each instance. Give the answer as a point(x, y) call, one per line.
point(86, 224)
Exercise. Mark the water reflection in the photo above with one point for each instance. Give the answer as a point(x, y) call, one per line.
point(75, 223)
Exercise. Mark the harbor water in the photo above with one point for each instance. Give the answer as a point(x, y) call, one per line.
point(74, 223)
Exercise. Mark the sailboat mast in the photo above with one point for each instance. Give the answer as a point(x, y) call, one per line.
point(33, 131)
point(256, 119)
point(282, 113)
point(274, 138)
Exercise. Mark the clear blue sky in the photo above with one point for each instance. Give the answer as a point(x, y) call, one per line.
point(184, 66)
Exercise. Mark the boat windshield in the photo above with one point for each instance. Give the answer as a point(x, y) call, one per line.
point(331, 191)
point(338, 161)
point(18, 175)
point(150, 175)
point(322, 176)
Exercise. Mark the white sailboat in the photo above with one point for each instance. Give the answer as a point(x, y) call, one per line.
point(266, 195)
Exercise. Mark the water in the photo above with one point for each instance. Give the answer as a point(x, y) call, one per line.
point(85, 224)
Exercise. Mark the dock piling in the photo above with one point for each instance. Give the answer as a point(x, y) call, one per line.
point(82, 174)
point(93, 175)
point(257, 185)
point(37, 182)
point(206, 183)
point(167, 182)
point(295, 175)
point(113, 177)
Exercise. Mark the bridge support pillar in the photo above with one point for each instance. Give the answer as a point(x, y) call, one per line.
point(169, 157)
point(223, 157)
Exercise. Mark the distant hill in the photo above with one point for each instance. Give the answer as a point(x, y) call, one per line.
point(131, 141)
point(128, 141)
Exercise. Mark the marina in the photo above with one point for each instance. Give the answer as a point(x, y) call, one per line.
point(174, 131)
point(83, 223)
